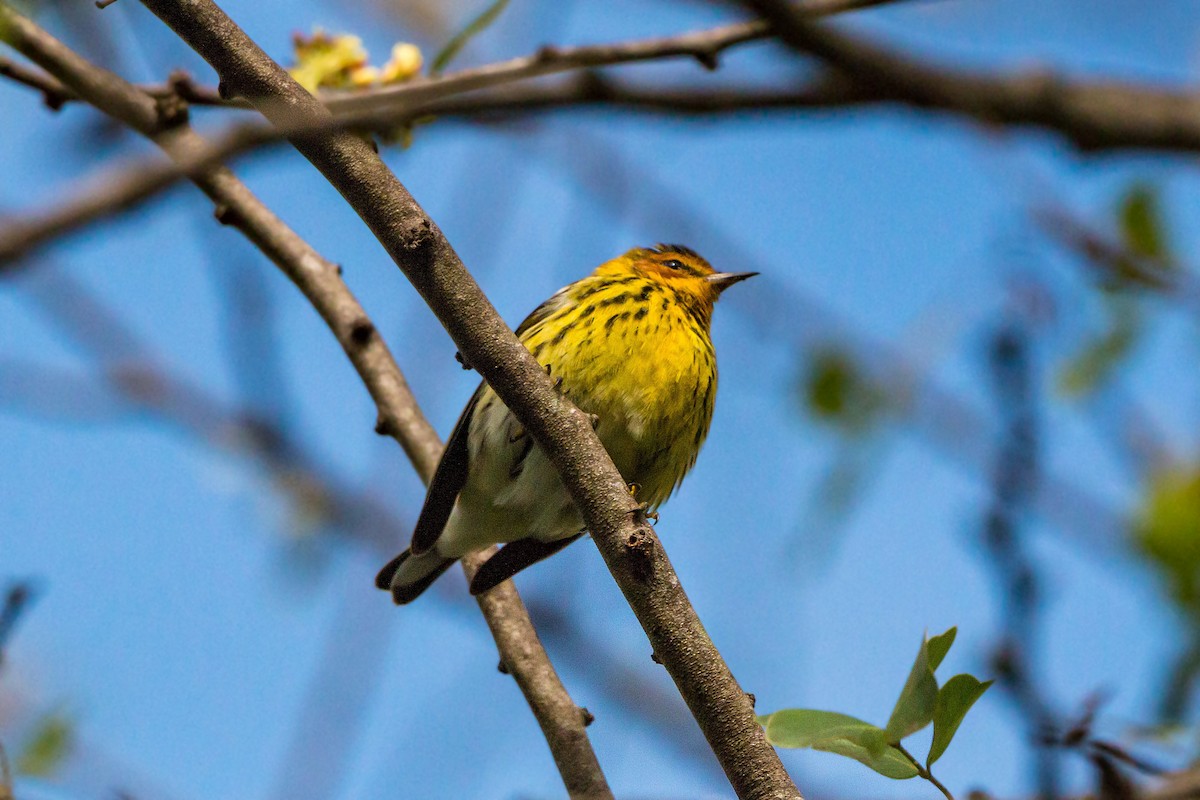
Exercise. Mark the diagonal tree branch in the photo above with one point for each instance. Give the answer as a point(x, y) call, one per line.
point(618, 526)
point(399, 415)
point(130, 376)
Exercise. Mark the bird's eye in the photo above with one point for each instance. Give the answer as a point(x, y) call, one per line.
point(673, 264)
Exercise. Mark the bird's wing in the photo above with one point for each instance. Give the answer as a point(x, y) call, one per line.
point(451, 474)
point(447, 482)
point(553, 303)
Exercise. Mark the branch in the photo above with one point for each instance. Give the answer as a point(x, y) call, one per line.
point(704, 46)
point(1093, 116)
point(54, 94)
point(132, 377)
point(124, 187)
point(1098, 115)
point(385, 108)
point(619, 528)
point(785, 315)
point(320, 281)
point(1015, 480)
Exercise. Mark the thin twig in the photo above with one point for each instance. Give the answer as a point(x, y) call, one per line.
point(320, 281)
point(629, 545)
point(53, 92)
point(16, 602)
point(705, 46)
point(923, 771)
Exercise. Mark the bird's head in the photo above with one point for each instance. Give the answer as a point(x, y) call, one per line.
point(681, 269)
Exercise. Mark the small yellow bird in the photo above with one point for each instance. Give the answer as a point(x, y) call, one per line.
point(630, 345)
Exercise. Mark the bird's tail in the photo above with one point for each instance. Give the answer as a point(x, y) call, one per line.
point(407, 575)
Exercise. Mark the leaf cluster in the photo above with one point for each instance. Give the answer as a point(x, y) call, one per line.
point(921, 702)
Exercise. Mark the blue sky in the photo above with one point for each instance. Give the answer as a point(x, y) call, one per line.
point(188, 633)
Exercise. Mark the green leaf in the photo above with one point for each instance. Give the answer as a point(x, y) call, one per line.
point(48, 746)
point(1147, 262)
point(1099, 358)
point(914, 707)
point(801, 727)
point(837, 390)
point(842, 734)
point(460, 39)
point(1165, 532)
point(938, 646)
point(886, 760)
point(954, 700)
point(1140, 215)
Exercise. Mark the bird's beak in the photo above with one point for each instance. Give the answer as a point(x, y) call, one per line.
point(723, 280)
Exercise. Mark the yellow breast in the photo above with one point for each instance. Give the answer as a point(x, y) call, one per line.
point(628, 351)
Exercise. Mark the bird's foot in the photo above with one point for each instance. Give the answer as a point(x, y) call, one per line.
point(644, 508)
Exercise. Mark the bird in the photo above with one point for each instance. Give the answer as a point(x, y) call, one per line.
point(630, 345)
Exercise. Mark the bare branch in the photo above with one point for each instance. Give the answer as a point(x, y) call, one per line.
point(54, 94)
point(619, 528)
point(1099, 115)
point(320, 281)
point(1093, 116)
point(124, 187)
point(137, 380)
point(1015, 478)
point(704, 46)
point(563, 723)
point(316, 277)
